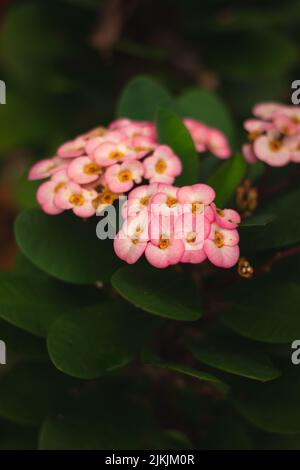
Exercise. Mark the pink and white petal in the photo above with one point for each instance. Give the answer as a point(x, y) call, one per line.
point(174, 251)
point(266, 110)
point(85, 210)
point(61, 198)
point(126, 250)
point(225, 257)
point(228, 218)
point(41, 170)
point(264, 152)
point(72, 148)
point(201, 193)
point(155, 256)
point(193, 256)
point(249, 154)
point(76, 171)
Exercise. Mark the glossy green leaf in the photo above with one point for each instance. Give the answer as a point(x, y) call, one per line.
point(65, 246)
point(33, 303)
point(265, 311)
point(29, 391)
point(21, 342)
point(260, 220)
point(207, 107)
point(237, 358)
point(226, 178)
point(272, 407)
point(141, 99)
point(228, 432)
point(171, 131)
point(164, 293)
point(25, 192)
point(282, 232)
point(189, 371)
point(90, 342)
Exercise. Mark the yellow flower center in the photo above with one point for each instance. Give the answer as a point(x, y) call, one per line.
point(171, 201)
point(296, 119)
point(107, 197)
point(92, 169)
point(191, 238)
point(160, 166)
point(197, 207)
point(220, 212)
point(164, 243)
point(76, 199)
point(144, 201)
point(252, 136)
point(219, 240)
point(115, 155)
point(275, 145)
point(58, 187)
point(124, 176)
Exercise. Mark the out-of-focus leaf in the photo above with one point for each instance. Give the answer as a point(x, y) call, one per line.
point(228, 432)
point(33, 303)
point(29, 392)
point(14, 437)
point(273, 407)
point(260, 220)
point(141, 99)
point(21, 342)
point(164, 293)
point(171, 131)
point(25, 192)
point(226, 178)
point(237, 358)
point(65, 247)
point(90, 342)
point(207, 107)
point(282, 232)
point(265, 311)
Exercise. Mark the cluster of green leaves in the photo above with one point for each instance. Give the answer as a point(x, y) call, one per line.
point(86, 335)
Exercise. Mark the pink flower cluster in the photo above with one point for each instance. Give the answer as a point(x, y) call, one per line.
point(173, 225)
point(91, 171)
point(274, 134)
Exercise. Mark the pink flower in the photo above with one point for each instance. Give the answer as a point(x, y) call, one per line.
point(192, 230)
point(196, 197)
point(72, 196)
point(138, 200)
point(47, 191)
point(266, 111)
point(129, 249)
point(45, 168)
point(226, 218)
point(249, 154)
point(199, 133)
point(221, 247)
point(165, 202)
point(83, 170)
point(114, 137)
point(272, 149)
point(162, 166)
point(109, 153)
point(163, 250)
point(293, 144)
point(120, 178)
point(130, 243)
point(218, 144)
point(72, 148)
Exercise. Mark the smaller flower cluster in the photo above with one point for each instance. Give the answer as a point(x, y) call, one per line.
point(274, 134)
point(173, 225)
point(91, 171)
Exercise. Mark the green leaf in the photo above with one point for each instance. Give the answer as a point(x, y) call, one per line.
point(265, 311)
point(65, 246)
point(260, 220)
point(237, 357)
point(33, 303)
point(281, 232)
point(164, 293)
point(181, 369)
point(14, 437)
point(226, 178)
point(207, 107)
point(29, 391)
point(141, 99)
point(21, 342)
point(90, 342)
point(272, 407)
point(171, 131)
point(25, 192)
